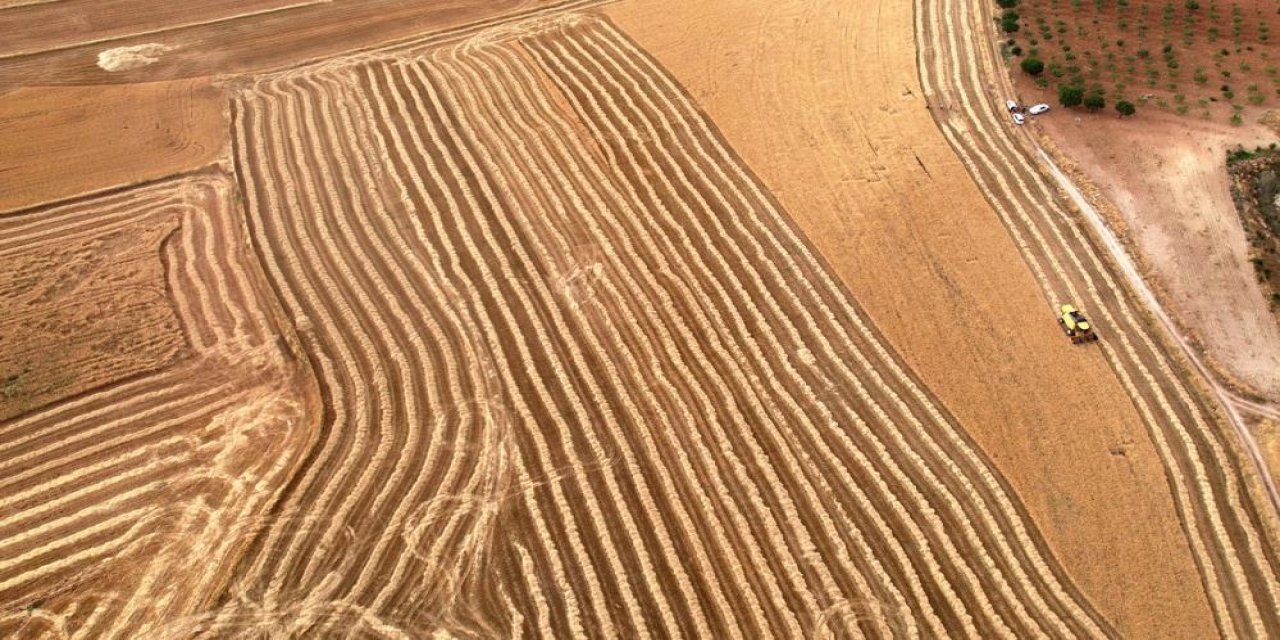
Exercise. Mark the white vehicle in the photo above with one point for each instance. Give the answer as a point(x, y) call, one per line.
point(1038, 109)
point(1018, 118)
point(1013, 106)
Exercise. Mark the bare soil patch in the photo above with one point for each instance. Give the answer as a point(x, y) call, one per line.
point(1167, 178)
point(131, 57)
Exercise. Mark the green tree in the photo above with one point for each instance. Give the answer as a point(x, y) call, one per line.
point(1095, 101)
point(1007, 4)
point(1125, 108)
point(1009, 21)
point(1070, 95)
point(1032, 66)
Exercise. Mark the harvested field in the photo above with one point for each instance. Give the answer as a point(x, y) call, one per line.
point(582, 378)
point(492, 333)
point(1229, 520)
point(65, 24)
point(94, 298)
point(107, 496)
point(206, 38)
point(824, 103)
point(61, 142)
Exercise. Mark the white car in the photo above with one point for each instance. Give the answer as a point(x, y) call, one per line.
point(1012, 106)
point(1018, 118)
point(1038, 109)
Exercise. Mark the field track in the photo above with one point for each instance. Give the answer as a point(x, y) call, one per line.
point(1229, 524)
point(582, 378)
point(105, 496)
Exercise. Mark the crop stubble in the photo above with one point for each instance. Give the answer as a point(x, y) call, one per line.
point(95, 301)
point(107, 496)
point(583, 378)
point(61, 142)
point(59, 43)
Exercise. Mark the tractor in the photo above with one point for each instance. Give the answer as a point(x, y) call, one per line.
point(1076, 326)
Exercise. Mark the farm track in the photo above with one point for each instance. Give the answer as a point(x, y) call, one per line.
point(129, 474)
point(1229, 524)
point(566, 339)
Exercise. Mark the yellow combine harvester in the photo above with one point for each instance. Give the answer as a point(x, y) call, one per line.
point(1076, 325)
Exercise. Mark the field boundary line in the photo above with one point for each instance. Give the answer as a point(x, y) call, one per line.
point(211, 169)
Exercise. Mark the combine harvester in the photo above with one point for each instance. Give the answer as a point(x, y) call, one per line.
point(1076, 326)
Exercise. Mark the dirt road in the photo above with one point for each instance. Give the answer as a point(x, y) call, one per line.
point(1229, 522)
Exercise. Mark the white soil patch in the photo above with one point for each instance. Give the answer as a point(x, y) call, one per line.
point(132, 57)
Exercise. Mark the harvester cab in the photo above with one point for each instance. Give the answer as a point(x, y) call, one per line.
point(1076, 326)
